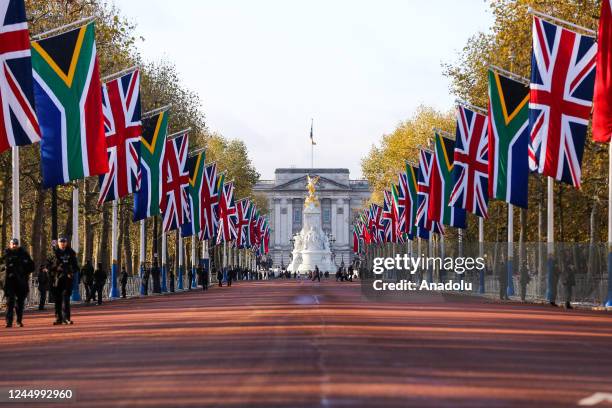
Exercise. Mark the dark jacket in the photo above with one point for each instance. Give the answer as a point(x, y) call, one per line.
point(100, 277)
point(124, 278)
point(87, 274)
point(63, 266)
point(15, 269)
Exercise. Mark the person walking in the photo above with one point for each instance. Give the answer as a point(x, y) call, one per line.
point(14, 280)
point(189, 278)
point(100, 276)
point(220, 278)
point(88, 280)
point(43, 285)
point(156, 275)
point(317, 274)
point(63, 266)
point(123, 280)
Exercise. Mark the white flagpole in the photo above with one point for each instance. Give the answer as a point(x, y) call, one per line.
point(550, 232)
point(510, 265)
point(608, 302)
point(143, 255)
point(15, 199)
point(205, 258)
point(194, 262)
point(114, 291)
point(181, 261)
point(481, 285)
point(164, 284)
point(76, 295)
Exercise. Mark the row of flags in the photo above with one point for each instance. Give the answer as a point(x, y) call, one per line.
point(50, 93)
point(530, 125)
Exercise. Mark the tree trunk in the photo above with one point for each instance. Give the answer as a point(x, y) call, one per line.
point(103, 248)
point(127, 244)
point(5, 206)
point(37, 226)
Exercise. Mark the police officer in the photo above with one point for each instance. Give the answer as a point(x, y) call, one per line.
point(64, 265)
point(123, 280)
point(15, 277)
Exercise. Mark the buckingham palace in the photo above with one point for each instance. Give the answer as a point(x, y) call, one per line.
point(341, 200)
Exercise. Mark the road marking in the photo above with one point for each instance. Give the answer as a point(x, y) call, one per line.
point(596, 399)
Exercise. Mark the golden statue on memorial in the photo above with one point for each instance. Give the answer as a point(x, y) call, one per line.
point(311, 186)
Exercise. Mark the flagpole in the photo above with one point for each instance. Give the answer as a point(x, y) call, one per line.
point(205, 258)
point(143, 248)
point(430, 254)
point(15, 199)
point(510, 265)
point(550, 291)
point(180, 285)
point(76, 295)
point(194, 262)
point(481, 286)
point(608, 302)
point(164, 285)
point(80, 22)
point(114, 290)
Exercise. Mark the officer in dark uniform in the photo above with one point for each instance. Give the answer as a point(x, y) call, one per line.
point(123, 280)
point(15, 278)
point(64, 265)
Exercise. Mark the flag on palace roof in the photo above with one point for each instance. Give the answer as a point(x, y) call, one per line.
point(69, 106)
point(18, 122)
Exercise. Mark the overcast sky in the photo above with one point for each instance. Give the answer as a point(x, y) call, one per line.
point(264, 68)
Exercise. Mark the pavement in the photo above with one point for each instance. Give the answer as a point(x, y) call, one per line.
point(304, 344)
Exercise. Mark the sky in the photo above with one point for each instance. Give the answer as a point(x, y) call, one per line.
point(264, 68)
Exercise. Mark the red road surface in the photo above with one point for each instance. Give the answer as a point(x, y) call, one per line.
point(304, 344)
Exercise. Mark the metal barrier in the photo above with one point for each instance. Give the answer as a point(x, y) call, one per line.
point(572, 272)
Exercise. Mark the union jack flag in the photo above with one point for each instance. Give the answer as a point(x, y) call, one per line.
point(376, 224)
point(123, 128)
point(423, 191)
point(226, 212)
point(561, 95)
point(471, 165)
point(175, 184)
point(209, 199)
point(254, 226)
point(390, 218)
point(18, 122)
point(243, 223)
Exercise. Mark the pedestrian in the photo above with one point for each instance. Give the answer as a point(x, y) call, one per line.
point(171, 278)
point(317, 274)
point(43, 285)
point(205, 278)
point(100, 276)
point(189, 278)
point(14, 280)
point(145, 280)
point(63, 267)
point(88, 280)
point(123, 280)
point(220, 277)
point(230, 275)
point(569, 282)
point(155, 274)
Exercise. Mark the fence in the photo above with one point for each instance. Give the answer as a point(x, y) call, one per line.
point(578, 272)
